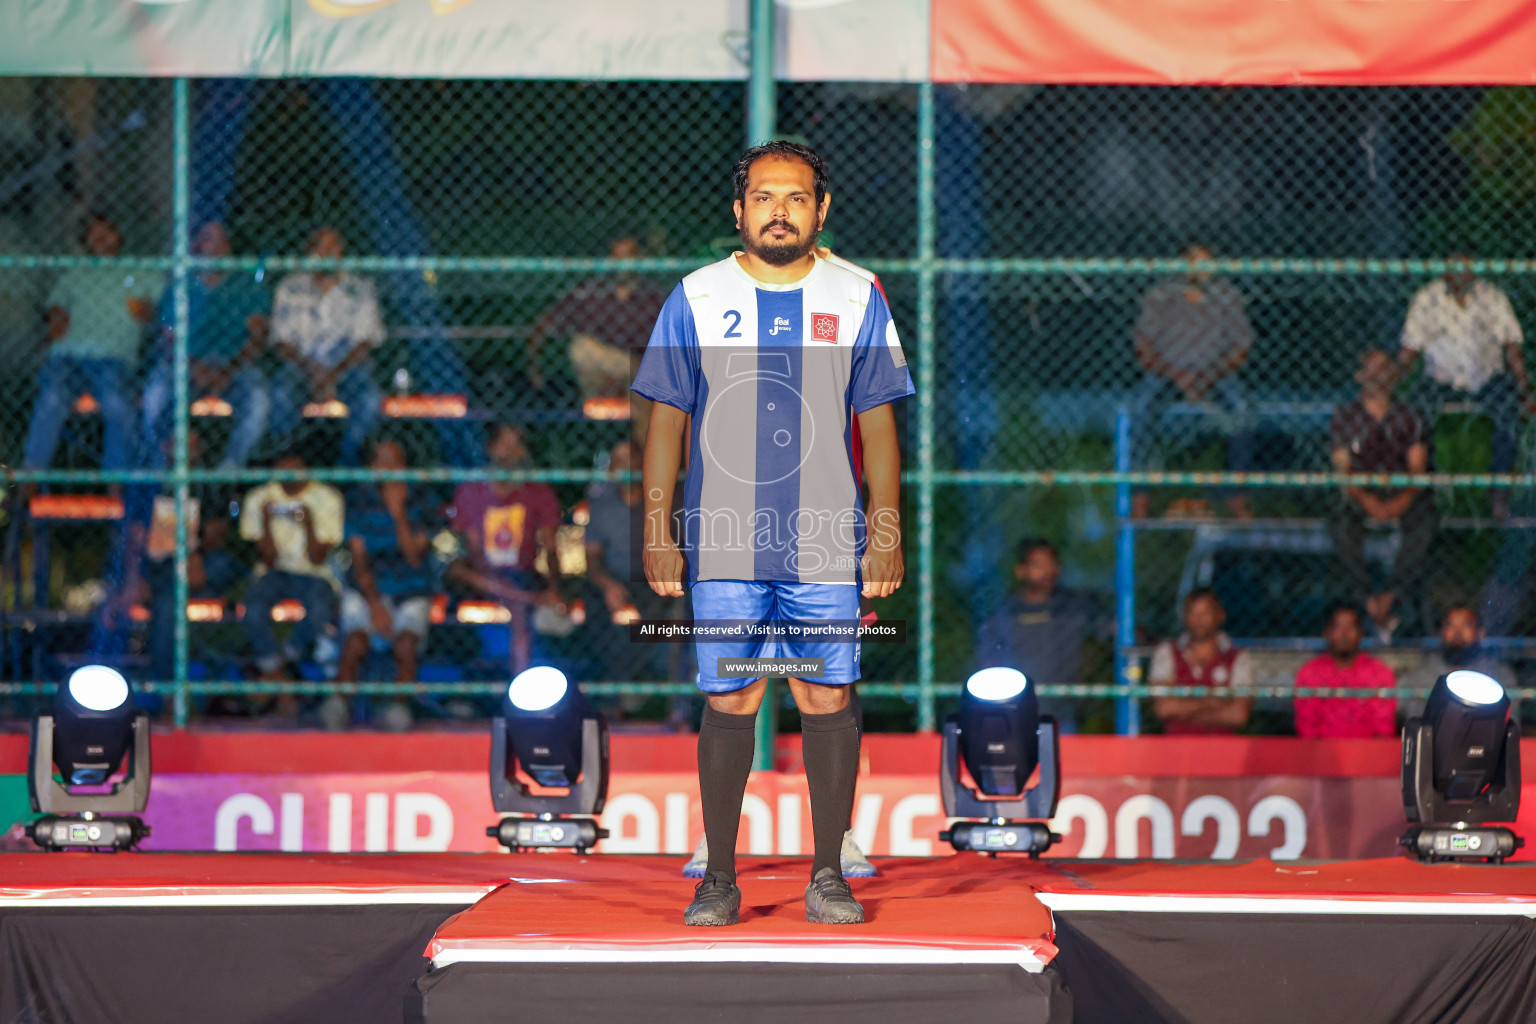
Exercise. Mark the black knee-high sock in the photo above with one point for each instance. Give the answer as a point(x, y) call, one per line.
point(830, 747)
point(857, 707)
point(726, 743)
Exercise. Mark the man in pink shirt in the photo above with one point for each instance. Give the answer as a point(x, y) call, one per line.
point(1345, 666)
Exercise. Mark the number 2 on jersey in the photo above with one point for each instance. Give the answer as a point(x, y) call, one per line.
point(735, 318)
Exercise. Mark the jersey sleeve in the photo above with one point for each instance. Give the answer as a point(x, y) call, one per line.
point(285, 313)
point(1506, 326)
point(329, 511)
point(250, 513)
point(1416, 325)
point(669, 371)
point(368, 319)
point(879, 373)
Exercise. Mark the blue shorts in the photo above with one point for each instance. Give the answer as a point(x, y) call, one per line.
point(743, 601)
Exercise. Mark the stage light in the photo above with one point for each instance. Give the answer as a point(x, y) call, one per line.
point(537, 689)
point(547, 732)
point(999, 720)
point(1002, 738)
point(87, 737)
point(995, 684)
point(1461, 769)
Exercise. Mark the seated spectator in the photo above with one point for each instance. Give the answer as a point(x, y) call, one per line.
point(1466, 332)
point(212, 570)
point(1042, 628)
point(1192, 337)
point(386, 600)
point(294, 524)
point(96, 321)
point(326, 324)
point(1202, 656)
point(615, 539)
point(505, 525)
point(607, 320)
point(1461, 646)
point(227, 316)
point(1377, 434)
point(1345, 666)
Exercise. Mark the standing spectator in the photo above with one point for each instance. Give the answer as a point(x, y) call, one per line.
point(1345, 666)
point(326, 324)
point(505, 525)
point(96, 321)
point(1191, 338)
point(1202, 656)
point(1461, 646)
point(387, 598)
point(227, 316)
point(294, 525)
point(1376, 434)
point(1466, 332)
point(1041, 629)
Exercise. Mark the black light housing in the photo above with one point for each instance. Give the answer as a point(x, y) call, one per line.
point(1002, 738)
point(88, 738)
point(1461, 769)
point(547, 732)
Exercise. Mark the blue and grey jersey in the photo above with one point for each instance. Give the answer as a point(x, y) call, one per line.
point(772, 376)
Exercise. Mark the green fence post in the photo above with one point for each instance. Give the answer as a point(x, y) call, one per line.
point(181, 248)
point(926, 712)
point(762, 123)
point(762, 96)
point(766, 729)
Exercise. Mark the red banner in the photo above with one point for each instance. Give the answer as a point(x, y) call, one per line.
point(1235, 42)
point(1214, 797)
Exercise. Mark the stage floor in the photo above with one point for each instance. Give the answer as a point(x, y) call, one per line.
point(247, 879)
point(630, 909)
point(341, 937)
point(1389, 885)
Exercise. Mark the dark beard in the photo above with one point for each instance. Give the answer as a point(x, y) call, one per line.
point(778, 254)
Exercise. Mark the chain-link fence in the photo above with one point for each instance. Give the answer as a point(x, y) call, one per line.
point(1139, 319)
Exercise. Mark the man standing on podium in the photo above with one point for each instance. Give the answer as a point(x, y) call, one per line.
point(760, 364)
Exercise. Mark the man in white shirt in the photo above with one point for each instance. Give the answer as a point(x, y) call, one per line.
point(326, 324)
point(1466, 332)
point(294, 524)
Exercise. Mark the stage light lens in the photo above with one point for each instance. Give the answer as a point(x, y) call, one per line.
point(537, 689)
point(98, 688)
point(996, 684)
point(1474, 687)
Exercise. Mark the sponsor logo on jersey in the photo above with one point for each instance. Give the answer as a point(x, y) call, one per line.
point(824, 327)
point(779, 324)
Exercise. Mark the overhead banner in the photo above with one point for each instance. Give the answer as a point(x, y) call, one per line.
point(192, 38)
point(692, 40)
point(1236, 42)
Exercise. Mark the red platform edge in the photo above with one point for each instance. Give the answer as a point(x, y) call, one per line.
point(199, 751)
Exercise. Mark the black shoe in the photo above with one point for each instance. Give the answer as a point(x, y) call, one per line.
point(829, 900)
point(716, 903)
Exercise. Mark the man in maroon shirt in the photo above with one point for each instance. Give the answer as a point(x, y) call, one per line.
point(1377, 434)
point(1345, 666)
point(1202, 656)
point(504, 526)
